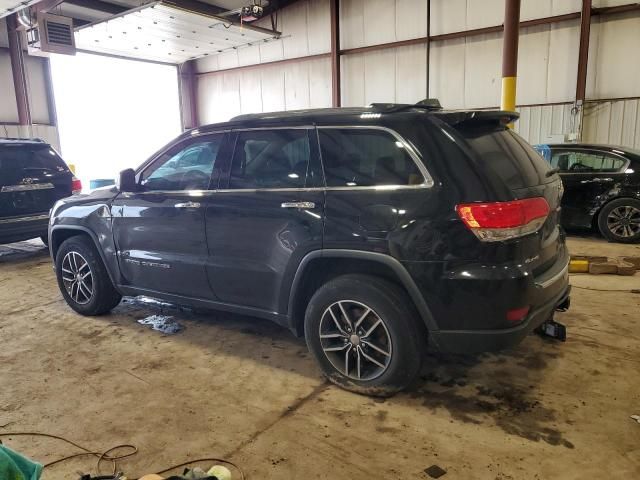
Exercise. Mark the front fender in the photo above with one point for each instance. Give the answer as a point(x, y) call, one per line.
point(89, 215)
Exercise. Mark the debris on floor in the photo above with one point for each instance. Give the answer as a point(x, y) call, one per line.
point(434, 471)
point(597, 265)
point(162, 323)
point(636, 418)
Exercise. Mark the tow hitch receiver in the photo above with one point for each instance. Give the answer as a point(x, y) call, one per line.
point(553, 329)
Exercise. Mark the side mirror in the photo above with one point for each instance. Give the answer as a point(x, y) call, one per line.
point(127, 181)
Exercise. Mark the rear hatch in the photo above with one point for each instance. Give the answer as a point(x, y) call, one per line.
point(515, 171)
point(32, 178)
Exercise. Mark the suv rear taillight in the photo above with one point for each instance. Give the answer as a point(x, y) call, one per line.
point(496, 221)
point(76, 185)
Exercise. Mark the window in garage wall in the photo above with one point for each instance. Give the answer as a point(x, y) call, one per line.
point(113, 113)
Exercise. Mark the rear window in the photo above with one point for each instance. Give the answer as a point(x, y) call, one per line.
point(19, 161)
point(506, 155)
point(361, 157)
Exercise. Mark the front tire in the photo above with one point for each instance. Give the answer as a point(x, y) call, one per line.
point(83, 279)
point(363, 332)
point(619, 220)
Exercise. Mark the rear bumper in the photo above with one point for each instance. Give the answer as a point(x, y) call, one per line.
point(16, 229)
point(470, 341)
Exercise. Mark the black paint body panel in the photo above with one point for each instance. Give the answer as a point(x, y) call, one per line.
point(241, 251)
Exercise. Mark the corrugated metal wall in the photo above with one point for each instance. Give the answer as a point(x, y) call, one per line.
point(463, 73)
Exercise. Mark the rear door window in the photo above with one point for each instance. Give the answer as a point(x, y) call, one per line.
point(362, 157)
point(266, 159)
point(568, 161)
point(506, 155)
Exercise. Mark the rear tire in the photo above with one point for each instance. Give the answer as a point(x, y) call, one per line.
point(377, 353)
point(619, 220)
point(83, 279)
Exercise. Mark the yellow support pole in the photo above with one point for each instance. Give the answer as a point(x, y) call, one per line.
point(510, 55)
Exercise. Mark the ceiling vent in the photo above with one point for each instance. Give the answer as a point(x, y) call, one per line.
point(54, 34)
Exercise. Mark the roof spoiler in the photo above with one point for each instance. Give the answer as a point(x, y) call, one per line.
point(16, 139)
point(501, 118)
point(429, 104)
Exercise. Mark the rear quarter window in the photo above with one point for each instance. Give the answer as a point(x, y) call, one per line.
point(506, 155)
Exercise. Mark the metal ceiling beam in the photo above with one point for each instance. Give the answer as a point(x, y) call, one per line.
point(99, 6)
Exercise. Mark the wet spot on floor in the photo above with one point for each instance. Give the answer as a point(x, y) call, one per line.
point(162, 323)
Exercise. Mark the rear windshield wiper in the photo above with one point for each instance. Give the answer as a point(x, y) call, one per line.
point(553, 171)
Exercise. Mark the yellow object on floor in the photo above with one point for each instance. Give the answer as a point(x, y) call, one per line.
point(579, 266)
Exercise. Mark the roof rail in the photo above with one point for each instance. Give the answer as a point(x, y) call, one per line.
point(16, 139)
point(429, 104)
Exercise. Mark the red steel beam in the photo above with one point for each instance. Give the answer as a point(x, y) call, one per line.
point(16, 54)
point(583, 50)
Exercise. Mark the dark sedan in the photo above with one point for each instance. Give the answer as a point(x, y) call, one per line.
point(602, 188)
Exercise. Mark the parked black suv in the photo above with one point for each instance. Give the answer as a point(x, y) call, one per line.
point(32, 178)
point(370, 231)
point(602, 188)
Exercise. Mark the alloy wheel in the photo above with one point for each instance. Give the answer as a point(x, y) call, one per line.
point(77, 278)
point(355, 339)
point(624, 221)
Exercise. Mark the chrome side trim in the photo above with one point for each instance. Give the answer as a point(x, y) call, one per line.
point(32, 218)
point(550, 281)
point(27, 187)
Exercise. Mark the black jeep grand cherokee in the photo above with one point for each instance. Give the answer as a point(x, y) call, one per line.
point(370, 231)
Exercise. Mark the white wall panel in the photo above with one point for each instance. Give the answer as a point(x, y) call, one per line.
point(319, 26)
point(447, 73)
point(484, 13)
point(411, 19)
point(379, 76)
point(533, 64)
point(296, 86)
point(250, 92)
point(8, 108)
point(614, 122)
point(4, 41)
point(562, 72)
point(411, 73)
point(37, 86)
point(353, 89)
point(614, 45)
point(352, 23)
point(483, 68)
point(448, 16)
point(46, 132)
point(379, 21)
point(266, 88)
point(320, 84)
point(545, 123)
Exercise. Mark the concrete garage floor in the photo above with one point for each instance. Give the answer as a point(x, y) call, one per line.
point(246, 390)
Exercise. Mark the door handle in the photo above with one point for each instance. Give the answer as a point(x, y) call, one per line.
point(305, 205)
point(187, 205)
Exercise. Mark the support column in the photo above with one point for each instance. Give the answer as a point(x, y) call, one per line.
point(335, 53)
point(583, 58)
point(510, 54)
point(188, 95)
point(17, 67)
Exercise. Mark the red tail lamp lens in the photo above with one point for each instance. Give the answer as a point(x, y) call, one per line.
point(76, 185)
point(517, 314)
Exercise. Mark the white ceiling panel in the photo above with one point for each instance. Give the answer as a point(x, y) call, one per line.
point(161, 32)
point(7, 7)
